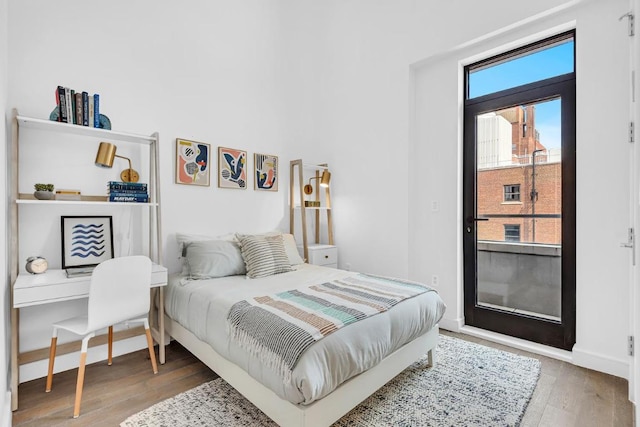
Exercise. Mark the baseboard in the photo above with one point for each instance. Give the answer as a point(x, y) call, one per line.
point(453, 325)
point(7, 415)
point(38, 369)
point(600, 362)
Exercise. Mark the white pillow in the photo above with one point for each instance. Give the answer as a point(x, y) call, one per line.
point(183, 238)
point(289, 244)
point(291, 249)
point(208, 259)
point(264, 255)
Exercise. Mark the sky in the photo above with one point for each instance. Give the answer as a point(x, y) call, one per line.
point(540, 65)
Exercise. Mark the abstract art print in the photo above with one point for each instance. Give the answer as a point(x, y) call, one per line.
point(86, 240)
point(232, 168)
point(192, 162)
point(266, 172)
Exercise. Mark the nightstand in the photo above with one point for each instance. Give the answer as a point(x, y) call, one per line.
point(324, 255)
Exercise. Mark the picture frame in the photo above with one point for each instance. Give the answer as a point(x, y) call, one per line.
point(193, 165)
point(86, 240)
point(265, 172)
point(232, 168)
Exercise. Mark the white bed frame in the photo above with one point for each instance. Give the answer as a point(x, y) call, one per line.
point(323, 412)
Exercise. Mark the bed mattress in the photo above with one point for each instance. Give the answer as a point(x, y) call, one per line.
point(202, 306)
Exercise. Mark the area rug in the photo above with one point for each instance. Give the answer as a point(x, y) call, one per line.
point(470, 385)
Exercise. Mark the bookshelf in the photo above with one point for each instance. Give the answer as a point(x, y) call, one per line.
point(48, 151)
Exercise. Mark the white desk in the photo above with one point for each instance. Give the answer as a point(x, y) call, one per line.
point(54, 286)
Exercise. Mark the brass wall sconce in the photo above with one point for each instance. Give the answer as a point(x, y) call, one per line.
point(105, 157)
point(325, 178)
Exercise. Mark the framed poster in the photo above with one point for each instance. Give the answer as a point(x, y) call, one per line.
point(86, 240)
point(192, 162)
point(232, 168)
point(265, 172)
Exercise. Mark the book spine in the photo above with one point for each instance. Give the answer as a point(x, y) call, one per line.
point(78, 112)
point(90, 118)
point(73, 107)
point(117, 186)
point(96, 110)
point(127, 191)
point(118, 189)
point(70, 112)
point(62, 99)
point(85, 109)
point(116, 197)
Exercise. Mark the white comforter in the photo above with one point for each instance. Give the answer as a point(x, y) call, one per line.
point(202, 306)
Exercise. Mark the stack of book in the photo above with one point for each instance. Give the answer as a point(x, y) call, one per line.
point(133, 192)
point(78, 108)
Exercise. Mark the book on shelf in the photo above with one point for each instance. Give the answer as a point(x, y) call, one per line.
point(85, 109)
point(70, 112)
point(78, 108)
point(120, 186)
point(90, 118)
point(96, 110)
point(129, 197)
point(68, 195)
point(74, 115)
point(61, 101)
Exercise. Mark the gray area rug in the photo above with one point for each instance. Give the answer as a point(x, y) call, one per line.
point(470, 385)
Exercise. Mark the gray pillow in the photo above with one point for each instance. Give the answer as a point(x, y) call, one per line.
point(213, 258)
point(264, 255)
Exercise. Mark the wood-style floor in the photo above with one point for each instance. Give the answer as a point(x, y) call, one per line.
point(566, 395)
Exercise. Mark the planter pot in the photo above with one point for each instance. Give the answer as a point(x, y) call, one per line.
point(44, 195)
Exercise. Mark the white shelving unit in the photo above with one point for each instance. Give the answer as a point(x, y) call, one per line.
point(45, 144)
point(297, 207)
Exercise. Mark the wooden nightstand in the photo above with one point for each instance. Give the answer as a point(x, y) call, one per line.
point(324, 255)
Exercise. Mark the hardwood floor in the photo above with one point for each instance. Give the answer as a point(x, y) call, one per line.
point(566, 395)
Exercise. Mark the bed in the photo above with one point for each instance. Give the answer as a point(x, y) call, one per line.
point(333, 374)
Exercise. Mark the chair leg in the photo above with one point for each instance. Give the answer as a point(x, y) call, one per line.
point(110, 359)
point(79, 384)
point(152, 353)
point(52, 358)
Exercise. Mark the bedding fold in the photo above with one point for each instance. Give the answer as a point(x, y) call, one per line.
point(280, 327)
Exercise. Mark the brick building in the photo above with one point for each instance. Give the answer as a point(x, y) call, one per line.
point(508, 145)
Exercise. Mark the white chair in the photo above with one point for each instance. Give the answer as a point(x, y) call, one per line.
point(119, 292)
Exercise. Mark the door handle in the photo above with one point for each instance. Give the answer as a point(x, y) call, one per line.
point(474, 220)
point(630, 243)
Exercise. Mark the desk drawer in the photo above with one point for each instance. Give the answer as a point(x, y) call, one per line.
point(23, 297)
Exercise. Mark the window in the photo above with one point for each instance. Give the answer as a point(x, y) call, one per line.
point(511, 232)
point(521, 67)
point(512, 193)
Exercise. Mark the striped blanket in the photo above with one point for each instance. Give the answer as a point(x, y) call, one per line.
point(278, 328)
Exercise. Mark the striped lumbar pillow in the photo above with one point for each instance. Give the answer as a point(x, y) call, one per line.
point(264, 255)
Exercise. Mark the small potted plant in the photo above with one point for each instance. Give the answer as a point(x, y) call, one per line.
point(44, 191)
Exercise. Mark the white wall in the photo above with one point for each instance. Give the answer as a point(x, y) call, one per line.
point(5, 404)
point(220, 72)
point(389, 92)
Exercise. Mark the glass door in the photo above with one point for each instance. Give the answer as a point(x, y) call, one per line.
point(519, 211)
